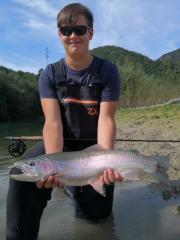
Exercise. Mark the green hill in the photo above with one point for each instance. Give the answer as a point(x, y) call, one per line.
point(143, 82)
point(122, 57)
point(171, 57)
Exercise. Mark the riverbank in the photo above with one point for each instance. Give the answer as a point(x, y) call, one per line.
point(159, 122)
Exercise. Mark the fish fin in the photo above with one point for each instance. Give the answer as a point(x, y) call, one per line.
point(99, 187)
point(163, 163)
point(95, 147)
point(162, 166)
point(132, 174)
point(69, 191)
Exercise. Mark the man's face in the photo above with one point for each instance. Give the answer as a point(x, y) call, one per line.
point(77, 45)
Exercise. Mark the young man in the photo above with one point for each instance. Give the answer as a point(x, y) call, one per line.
point(79, 96)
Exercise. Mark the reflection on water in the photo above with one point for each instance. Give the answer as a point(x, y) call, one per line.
point(138, 213)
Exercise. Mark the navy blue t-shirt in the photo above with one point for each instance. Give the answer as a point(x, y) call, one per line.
point(110, 84)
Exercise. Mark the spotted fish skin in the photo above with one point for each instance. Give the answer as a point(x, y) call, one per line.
point(81, 168)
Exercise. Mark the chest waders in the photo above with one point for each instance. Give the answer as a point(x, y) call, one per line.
point(80, 106)
point(25, 202)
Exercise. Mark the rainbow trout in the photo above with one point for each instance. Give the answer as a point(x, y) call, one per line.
point(81, 168)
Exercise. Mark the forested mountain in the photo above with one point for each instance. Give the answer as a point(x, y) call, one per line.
point(143, 82)
point(158, 68)
point(171, 57)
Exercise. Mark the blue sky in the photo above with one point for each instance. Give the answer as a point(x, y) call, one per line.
point(28, 28)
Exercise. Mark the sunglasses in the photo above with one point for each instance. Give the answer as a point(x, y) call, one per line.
point(78, 30)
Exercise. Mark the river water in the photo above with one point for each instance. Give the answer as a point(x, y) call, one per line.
point(139, 211)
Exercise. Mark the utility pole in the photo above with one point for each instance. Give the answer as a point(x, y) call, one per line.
point(47, 55)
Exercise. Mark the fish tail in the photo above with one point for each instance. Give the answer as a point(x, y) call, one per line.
point(163, 164)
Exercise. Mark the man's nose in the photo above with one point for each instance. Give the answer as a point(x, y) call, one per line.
point(73, 34)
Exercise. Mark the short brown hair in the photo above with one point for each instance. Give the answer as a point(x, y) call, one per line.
point(71, 12)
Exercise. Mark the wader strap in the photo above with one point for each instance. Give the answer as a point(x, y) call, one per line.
point(78, 100)
point(58, 72)
point(60, 75)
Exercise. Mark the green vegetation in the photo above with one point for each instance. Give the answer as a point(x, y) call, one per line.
point(171, 57)
point(167, 112)
point(19, 96)
point(143, 82)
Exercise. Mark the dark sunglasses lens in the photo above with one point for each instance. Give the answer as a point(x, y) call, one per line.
point(66, 31)
point(78, 30)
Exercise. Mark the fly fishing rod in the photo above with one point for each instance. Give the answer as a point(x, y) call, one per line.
point(17, 147)
point(40, 138)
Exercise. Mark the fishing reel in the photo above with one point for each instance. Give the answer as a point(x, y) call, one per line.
point(16, 148)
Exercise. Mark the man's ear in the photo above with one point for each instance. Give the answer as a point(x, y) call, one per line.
point(91, 32)
point(59, 34)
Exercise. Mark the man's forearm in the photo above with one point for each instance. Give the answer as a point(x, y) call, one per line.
point(106, 139)
point(53, 138)
point(106, 133)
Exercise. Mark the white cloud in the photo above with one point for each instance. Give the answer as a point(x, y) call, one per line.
point(141, 26)
point(41, 6)
point(35, 24)
point(119, 26)
point(37, 15)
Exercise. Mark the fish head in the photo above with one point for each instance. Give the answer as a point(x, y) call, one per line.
point(33, 170)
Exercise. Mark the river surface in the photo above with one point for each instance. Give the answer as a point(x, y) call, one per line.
point(139, 211)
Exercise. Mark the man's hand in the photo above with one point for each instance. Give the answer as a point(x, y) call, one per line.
point(50, 182)
point(110, 176)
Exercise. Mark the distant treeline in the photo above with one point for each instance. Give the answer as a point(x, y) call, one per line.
point(19, 98)
point(143, 82)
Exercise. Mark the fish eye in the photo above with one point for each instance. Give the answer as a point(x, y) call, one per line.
point(32, 163)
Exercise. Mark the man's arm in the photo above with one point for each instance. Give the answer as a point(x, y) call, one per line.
point(53, 128)
point(106, 136)
point(106, 125)
point(52, 135)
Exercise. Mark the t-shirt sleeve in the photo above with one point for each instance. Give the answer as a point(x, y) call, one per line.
point(47, 87)
point(111, 83)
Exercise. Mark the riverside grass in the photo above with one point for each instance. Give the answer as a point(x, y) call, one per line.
point(161, 113)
